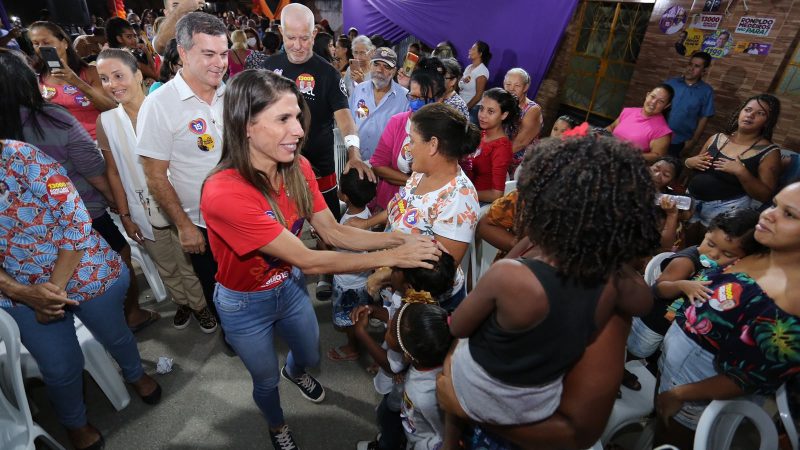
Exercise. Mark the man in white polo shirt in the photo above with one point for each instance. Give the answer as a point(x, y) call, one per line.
point(179, 132)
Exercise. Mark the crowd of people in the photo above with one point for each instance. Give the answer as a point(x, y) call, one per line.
point(209, 141)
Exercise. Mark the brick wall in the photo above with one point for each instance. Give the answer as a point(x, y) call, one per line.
point(733, 77)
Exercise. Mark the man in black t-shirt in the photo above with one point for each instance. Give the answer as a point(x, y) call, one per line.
point(318, 81)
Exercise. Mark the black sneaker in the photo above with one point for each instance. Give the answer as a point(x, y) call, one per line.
point(309, 387)
point(208, 323)
point(182, 316)
point(283, 440)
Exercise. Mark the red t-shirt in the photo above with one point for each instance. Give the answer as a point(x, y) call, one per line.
point(490, 165)
point(240, 222)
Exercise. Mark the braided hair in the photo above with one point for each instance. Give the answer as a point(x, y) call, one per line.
point(770, 103)
point(587, 203)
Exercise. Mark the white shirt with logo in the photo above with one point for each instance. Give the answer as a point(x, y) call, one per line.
point(175, 125)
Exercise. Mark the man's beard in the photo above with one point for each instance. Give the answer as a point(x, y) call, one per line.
point(380, 84)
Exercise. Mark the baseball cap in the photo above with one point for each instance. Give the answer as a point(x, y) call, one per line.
point(386, 55)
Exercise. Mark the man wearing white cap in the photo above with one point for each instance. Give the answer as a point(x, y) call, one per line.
point(375, 101)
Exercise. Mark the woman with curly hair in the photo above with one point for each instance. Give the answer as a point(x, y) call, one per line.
point(586, 204)
point(737, 166)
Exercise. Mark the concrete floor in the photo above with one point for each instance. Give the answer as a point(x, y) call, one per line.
point(207, 402)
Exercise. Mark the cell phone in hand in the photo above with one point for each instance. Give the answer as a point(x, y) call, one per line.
point(50, 56)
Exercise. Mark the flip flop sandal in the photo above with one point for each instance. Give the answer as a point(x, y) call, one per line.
point(151, 319)
point(337, 354)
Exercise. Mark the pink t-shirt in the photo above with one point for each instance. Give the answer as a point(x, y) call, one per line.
point(638, 129)
point(393, 139)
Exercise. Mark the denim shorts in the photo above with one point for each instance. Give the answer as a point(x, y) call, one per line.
point(683, 361)
point(642, 341)
point(346, 300)
point(704, 211)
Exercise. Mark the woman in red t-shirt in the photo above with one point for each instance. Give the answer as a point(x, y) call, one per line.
point(255, 203)
point(488, 165)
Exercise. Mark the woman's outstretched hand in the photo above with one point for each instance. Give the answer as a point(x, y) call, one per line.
point(415, 252)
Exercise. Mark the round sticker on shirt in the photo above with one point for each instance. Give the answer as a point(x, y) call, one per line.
point(362, 110)
point(48, 92)
point(726, 297)
point(70, 89)
point(59, 187)
point(205, 143)
point(197, 126)
point(305, 83)
point(82, 100)
point(411, 217)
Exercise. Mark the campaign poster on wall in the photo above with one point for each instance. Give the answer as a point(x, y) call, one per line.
point(672, 20)
point(718, 44)
point(752, 48)
point(691, 43)
point(755, 26)
point(706, 21)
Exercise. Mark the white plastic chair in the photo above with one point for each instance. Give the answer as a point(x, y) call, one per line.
point(96, 361)
point(633, 406)
point(487, 254)
point(17, 428)
point(149, 269)
point(786, 417)
point(510, 186)
point(653, 269)
point(721, 418)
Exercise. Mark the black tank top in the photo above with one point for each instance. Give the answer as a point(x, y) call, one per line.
point(546, 351)
point(712, 184)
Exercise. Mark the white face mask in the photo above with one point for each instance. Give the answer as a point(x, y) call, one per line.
point(251, 42)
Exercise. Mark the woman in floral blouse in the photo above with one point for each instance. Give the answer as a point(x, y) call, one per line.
point(745, 339)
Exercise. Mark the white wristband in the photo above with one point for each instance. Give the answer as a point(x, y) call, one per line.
point(351, 140)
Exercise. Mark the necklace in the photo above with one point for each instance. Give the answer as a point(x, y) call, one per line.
point(739, 155)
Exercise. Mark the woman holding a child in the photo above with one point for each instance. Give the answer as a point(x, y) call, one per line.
point(255, 204)
point(745, 338)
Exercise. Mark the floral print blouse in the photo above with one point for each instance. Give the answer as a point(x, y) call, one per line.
point(755, 342)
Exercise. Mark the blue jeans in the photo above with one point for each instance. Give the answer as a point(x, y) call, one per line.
point(249, 320)
point(56, 349)
point(705, 211)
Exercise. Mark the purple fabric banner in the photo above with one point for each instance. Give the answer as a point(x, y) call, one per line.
point(520, 33)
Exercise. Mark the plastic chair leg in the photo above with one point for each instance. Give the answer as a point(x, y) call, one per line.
point(48, 440)
point(150, 271)
point(99, 365)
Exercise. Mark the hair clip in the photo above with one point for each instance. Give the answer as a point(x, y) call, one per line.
point(581, 130)
point(423, 297)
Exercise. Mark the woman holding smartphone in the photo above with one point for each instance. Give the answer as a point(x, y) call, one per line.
point(67, 81)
